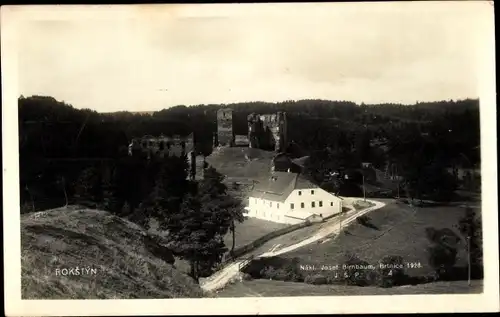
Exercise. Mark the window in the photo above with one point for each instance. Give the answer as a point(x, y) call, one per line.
point(278, 206)
point(313, 204)
point(312, 192)
point(291, 206)
point(270, 204)
point(301, 205)
point(321, 204)
point(331, 203)
point(300, 192)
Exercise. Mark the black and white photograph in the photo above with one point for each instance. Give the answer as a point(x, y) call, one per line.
point(250, 158)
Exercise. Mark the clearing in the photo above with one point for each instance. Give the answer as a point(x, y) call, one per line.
point(126, 264)
point(315, 233)
point(250, 230)
point(241, 164)
point(395, 229)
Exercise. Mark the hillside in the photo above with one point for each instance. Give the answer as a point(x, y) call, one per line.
point(125, 264)
point(241, 163)
point(395, 230)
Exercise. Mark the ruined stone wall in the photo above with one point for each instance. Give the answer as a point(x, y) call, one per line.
point(268, 131)
point(164, 146)
point(225, 134)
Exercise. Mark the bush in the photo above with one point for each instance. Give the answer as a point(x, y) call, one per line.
point(363, 220)
point(275, 268)
point(26, 207)
point(442, 254)
point(391, 272)
point(357, 272)
point(247, 277)
point(316, 279)
point(443, 236)
point(431, 234)
point(441, 258)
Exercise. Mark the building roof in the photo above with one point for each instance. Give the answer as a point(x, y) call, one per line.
point(279, 186)
point(301, 161)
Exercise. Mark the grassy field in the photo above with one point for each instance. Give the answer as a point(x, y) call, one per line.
point(241, 162)
point(125, 265)
point(250, 230)
point(397, 230)
point(261, 288)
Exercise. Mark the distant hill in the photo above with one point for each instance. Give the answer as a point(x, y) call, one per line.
point(127, 263)
point(131, 112)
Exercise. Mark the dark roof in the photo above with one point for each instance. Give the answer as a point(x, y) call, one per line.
point(280, 185)
point(301, 161)
point(303, 183)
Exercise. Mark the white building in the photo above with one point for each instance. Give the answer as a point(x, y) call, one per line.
point(289, 198)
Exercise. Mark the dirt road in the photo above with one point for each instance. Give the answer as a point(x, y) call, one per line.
point(334, 226)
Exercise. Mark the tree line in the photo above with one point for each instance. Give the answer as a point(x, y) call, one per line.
point(58, 141)
point(79, 156)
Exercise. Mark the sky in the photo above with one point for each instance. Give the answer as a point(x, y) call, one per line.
point(146, 58)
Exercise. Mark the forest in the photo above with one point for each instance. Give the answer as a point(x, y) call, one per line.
point(79, 156)
point(58, 142)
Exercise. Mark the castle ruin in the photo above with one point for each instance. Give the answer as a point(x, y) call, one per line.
point(266, 132)
point(165, 146)
point(225, 134)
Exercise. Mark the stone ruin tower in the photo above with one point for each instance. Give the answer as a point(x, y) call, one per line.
point(225, 133)
point(268, 132)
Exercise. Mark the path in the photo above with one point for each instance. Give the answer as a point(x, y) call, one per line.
point(335, 225)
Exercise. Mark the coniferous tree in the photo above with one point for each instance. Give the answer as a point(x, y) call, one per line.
point(214, 197)
point(111, 195)
point(196, 237)
point(88, 188)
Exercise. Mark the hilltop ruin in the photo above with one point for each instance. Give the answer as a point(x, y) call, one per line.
point(265, 131)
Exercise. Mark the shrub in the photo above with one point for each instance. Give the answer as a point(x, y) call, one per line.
point(442, 258)
point(363, 220)
point(431, 234)
point(357, 272)
point(390, 271)
point(275, 268)
point(27, 207)
point(444, 236)
point(315, 279)
point(366, 222)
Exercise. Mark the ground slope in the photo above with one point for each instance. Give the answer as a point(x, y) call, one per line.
point(264, 288)
point(125, 263)
point(397, 230)
point(241, 163)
